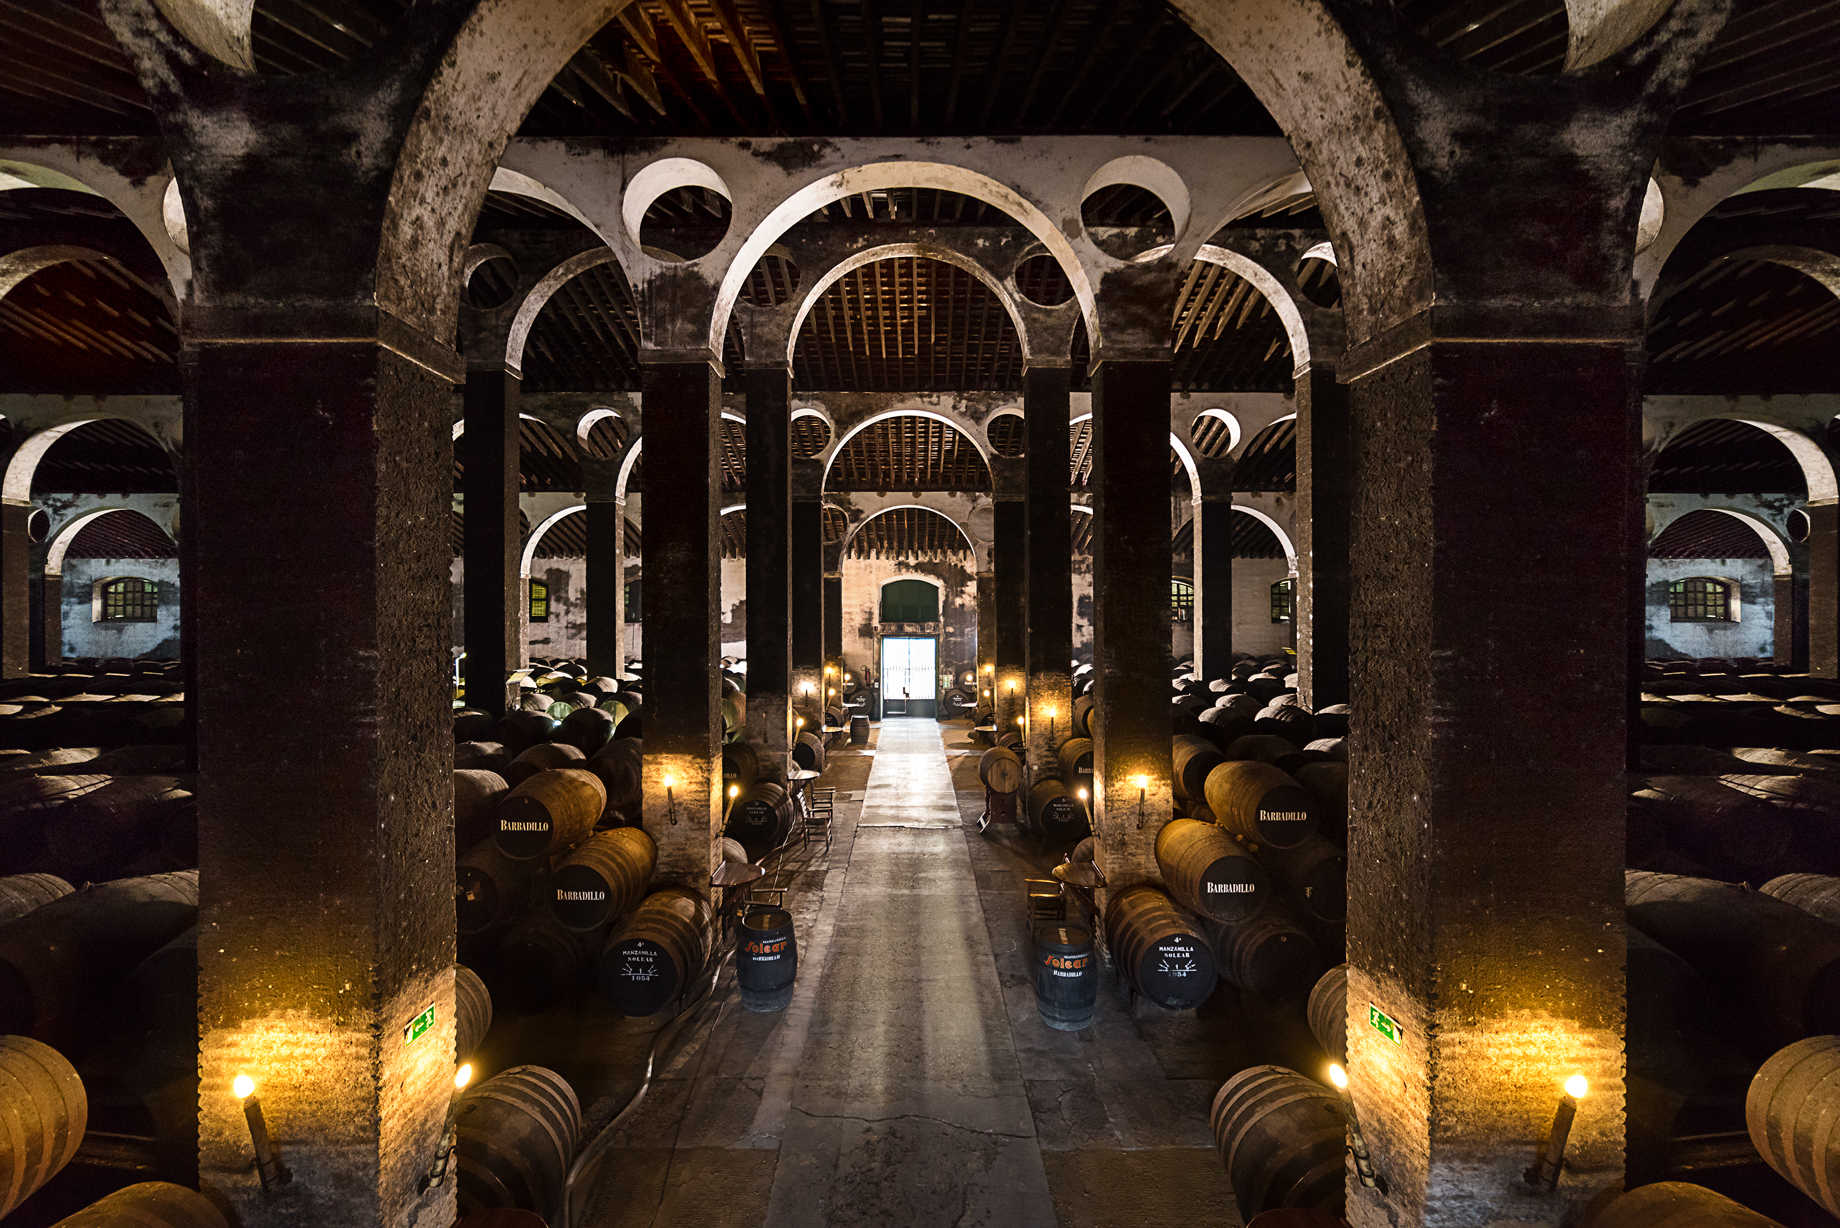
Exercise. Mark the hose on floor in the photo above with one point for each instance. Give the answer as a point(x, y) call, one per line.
point(668, 1035)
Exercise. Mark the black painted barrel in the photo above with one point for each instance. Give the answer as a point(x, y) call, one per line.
point(539, 963)
point(1327, 1012)
point(1258, 802)
point(472, 1010)
point(603, 878)
point(1159, 949)
point(1066, 977)
point(43, 1114)
point(1054, 814)
point(766, 959)
point(150, 1204)
point(1283, 1138)
point(760, 818)
point(1268, 955)
point(1209, 873)
point(516, 1135)
point(1677, 1204)
point(1793, 1113)
point(551, 812)
point(489, 888)
point(477, 794)
point(588, 728)
point(808, 751)
point(1316, 872)
point(651, 959)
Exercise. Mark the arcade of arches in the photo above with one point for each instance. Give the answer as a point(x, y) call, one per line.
point(909, 394)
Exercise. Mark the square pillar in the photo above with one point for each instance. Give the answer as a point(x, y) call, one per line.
point(683, 708)
point(15, 590)
point(1324, 494)
point(51, 618)
point(1486, 793)
point(1009, 553)
point(1213, 582)
point(494, 590)
point(986, 696)
point(807, 555)
point(769, 556)
point(1822, 626)
point(1048, 570)
point(324, 839)
point(606, 568)
point(1131, 563)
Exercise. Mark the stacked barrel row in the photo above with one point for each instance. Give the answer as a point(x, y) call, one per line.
point(104, 704)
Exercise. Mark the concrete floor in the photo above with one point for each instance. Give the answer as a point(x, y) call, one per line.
point(911, 1081)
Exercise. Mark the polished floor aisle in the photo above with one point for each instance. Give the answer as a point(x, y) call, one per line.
point(910, 1105)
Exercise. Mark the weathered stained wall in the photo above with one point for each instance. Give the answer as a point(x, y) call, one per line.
point(862, 594)
point(1752, 635)
point(1253, 630)
point(85, 637)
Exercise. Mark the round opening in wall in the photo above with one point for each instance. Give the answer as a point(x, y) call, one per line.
point(1800, 526)
point(811, 434)
point(1005, 433)
point(1040, 279)
point(38, 525)
point(676, 209)
point(1318, 278)
point(492, 282)
point(1125, 220)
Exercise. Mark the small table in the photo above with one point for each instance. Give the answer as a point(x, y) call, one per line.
point(986, 734)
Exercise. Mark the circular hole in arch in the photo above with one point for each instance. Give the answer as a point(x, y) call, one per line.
point(774, 280)
point(1800, 526)
point(1005, 433)
point(1125, 220)
point(684, 223)
point(1040, 279)
point(1318, 278)
point(1215, 432)
point(38, 525)
point(811, 434)
point(493, 282)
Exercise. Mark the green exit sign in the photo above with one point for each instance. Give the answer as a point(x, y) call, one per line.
point(421, 1023)
point(1385, 1024)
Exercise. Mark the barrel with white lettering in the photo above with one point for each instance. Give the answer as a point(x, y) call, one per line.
point(1053, 813)
point(550, 812)
point(760, 818)
point(766, 959)
point(1159, 949)
point(1066, 977)
point(1210, 873)
point(650, 960)
point(1258, 802)
point(603, 878)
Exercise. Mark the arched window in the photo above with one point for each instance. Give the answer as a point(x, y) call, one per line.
point(539, 601)
point(1284, 600)
point(909, 601)
point(128, 600)
point(1181, 601)
point(1702, 599)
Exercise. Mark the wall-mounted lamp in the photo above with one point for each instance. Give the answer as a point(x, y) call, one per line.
point(437, 1172)
point(799, 722)
point(1550, 1158)
point(1357, 1142)
point(268, 1158)
point(806, 688)
point(1081, 793)
point(847, 679)
point(986, 692)
point(1143, 787)
point(1052, 713)
point(833, 692)
point(670, 794)
point(734, 791)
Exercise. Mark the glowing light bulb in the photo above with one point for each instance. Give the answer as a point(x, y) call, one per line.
point(1052, 712)
point(670, 781)
point(734, 791)
point(1080, 793)
point(800, 722)
point(1576, 1087)
point(1140, 783)
point(463, 1076)
point(243, 1087)
point(1338, 1076)
point(833, 692)
point(847, 678)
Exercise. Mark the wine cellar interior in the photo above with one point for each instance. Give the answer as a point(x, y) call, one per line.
point(1082, 613)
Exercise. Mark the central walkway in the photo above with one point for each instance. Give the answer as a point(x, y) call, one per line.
point(909, 1105)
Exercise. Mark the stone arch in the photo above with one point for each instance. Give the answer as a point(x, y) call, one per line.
point(856, 526)
point(1182, 451)
point(1277, 530)
point(1781, 563)
point(141, 201)
point(1817, 470)
point(540, 294)
point(893, 251)
point(1269, 288)
point(16, 485)
point(60, 542)
point(538, 530)
point(962, 425)
point(630, 460)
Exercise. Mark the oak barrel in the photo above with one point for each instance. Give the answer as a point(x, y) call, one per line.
point(538, 962)
point(620, 765)
point(588, 728)
point(766, 959)
point(43, 1114)
point(489, 888)
point(1793, 1113)
point(1159, 949)
point(21, 893)
point(472, 1010)
point(1283, 1138)
point(1209, 873)
point(516, 1135)
point(603, 878)
point(1257, 802)
point(1327, 1012)
point(541, 758)
point(652, 958)
point(1818, 895)
point(477, 794)
point(760, 818)
point(1193, 758)
point(550, 812)
point(808, 752)
point(1076, 756)
point(1066, 971)
point(150, 1204)
point(1316, 872)
point(1268, 955)
point(1001, 770)
point(1676, 1204)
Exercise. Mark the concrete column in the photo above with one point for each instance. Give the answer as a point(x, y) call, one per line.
point(807, 556)
point(1324, 494)
point(1823, 622)
point(683, 708)
point(833, 618)
point(1130, 615)
point(1009, 556)
point(1214, 581)
point(50, 624)
point(494, 591)
point(769, 556)
point(324, 837)
point(606, 579)
point(1487, 795)
point(15, 590)
point(1048, 554)
point(987, 639)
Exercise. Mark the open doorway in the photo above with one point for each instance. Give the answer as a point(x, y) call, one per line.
point(910, 677)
